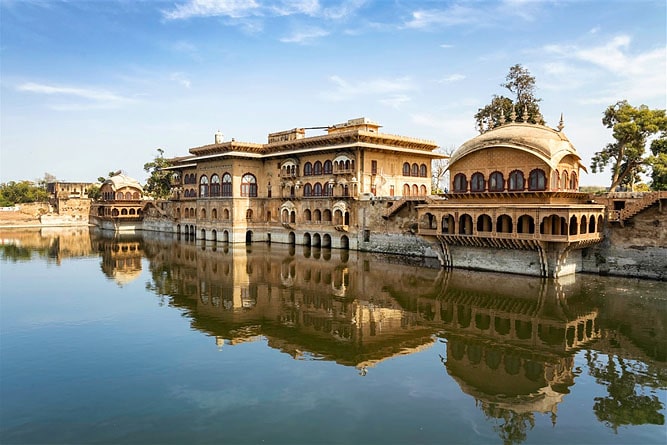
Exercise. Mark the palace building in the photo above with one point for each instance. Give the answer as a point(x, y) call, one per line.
point(515, 204)
point(299, 189)
point(120, 207)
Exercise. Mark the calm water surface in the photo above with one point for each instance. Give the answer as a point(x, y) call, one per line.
point(152, 340)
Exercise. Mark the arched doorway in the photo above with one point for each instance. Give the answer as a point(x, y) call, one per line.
point(248, 237)
point(344, 242)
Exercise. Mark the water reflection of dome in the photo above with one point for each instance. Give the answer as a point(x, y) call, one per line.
point(508, 378)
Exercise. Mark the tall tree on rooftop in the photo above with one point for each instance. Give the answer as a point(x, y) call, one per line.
point(158, 184)
point(632, 128)
point(525, 105)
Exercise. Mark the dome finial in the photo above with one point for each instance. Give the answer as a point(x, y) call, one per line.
point(513, 114)
point(561, 125)
point(502, 117)
point(525, 115)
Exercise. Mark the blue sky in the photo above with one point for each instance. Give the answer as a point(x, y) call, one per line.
point(88, 87)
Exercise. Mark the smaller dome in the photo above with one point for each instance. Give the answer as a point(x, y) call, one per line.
point(121, 180)
point(542, 141)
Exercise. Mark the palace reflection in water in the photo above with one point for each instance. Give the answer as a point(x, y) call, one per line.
point(508, 343)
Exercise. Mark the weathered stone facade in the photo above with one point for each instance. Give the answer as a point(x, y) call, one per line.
point(514, 188)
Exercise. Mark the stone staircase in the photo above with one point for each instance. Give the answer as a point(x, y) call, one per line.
point(635, 207)
point(399, 203)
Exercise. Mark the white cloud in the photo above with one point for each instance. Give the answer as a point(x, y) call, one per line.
point(446, 45)
point(379, 87)
point(180, 78)
point(620, 72)
point(455, 15)
point(96, 98)
point(452, 78)
point(304, 36)
point(212, 8)
point(395, 101)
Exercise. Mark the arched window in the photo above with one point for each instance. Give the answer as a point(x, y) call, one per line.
point(460, 183)
point(477, 183)
point(215, 185)
point(422, 170)
point(573, 181)
point(307, 169)
point(564, 181)
point(415, 190)
point(226, 184)
point(128, 196)
point(248, 214)
point(406, 190)
point(555, 180)
point(422, 190)
point(406, 169)
point(537, 180)
point(203, 187)
point(317, 168)
point(328, 189)
point(496, 182)
point(307, 189)
point(119, 196)
point(328, 167)
point(317, 189)
point(135, 195)
point(415, 170)
point(249, 185)
point(306, 215)
point(516, 181)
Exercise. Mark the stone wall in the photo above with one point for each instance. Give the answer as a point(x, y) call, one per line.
point(524, 262)
point(637, 249)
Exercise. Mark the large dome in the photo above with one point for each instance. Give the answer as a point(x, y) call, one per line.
point(122, 180)
point(546, 143)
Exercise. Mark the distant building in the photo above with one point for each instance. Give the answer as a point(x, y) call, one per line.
point(120, 206)
point(68, 190)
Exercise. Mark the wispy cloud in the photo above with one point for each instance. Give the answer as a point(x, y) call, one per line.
point(452, 78)
point(272, 8)
point(454, 15)
point(180, 78)
point(391, 92)
point(96, 98)
point(304, 36)
point(625, 74)
point(395, 101)
point(212, 8)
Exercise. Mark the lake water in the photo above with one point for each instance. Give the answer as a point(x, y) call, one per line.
point(130, 339)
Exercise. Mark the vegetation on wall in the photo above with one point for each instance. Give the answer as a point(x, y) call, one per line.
point(633, 128)
point(158, 184)
point(521, 84)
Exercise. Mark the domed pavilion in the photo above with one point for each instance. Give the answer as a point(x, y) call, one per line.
point(514, 203)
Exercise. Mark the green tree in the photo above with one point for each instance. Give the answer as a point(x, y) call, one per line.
point(658, 163)
point(525, 105)
point(21, 192)
point(94, 192)
point(632, 127)
point(158, 184)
